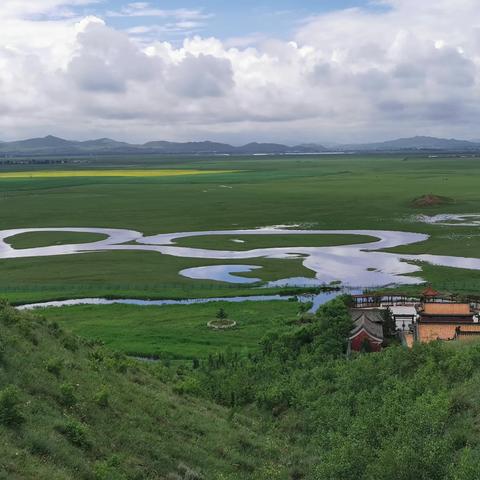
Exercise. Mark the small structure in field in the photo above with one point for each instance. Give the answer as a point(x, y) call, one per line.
point(367, 330)
point(221, 324)
point(441, 321)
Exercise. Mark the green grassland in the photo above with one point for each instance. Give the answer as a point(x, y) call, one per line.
point(146, 275)
point(324, 192)
point(177, 331)
point(46, 239)
point(251, 242)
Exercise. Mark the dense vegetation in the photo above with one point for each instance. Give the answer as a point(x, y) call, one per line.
point(297, 409)
point(397, 415)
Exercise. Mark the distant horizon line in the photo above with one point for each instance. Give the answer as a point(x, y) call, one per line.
point(261, 142)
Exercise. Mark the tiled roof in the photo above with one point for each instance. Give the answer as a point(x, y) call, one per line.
point(368, 320)
point(446, 309)
point(430, 292)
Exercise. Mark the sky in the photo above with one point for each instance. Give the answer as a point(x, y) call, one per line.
point(279, 70)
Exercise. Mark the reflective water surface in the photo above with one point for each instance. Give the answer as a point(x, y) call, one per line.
point(354, 265)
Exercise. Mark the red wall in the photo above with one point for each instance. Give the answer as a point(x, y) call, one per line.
point(357, 341)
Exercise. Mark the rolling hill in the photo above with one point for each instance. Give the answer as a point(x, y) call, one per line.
point(51, 145)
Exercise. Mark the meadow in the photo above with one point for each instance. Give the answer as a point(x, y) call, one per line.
point(323, 192)
point(177, 332)
point(317, 192)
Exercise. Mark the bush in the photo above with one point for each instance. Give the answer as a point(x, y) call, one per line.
point(102, 398)
point(10, 413)
point(70, 343)
point(75, 433)
point(2, 350)
point(68, 398)
point(109, 470)
point(54, 366)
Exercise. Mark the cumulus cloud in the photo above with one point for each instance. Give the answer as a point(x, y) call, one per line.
point(201, 76)
point(407, 68)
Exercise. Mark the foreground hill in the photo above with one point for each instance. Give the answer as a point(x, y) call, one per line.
point(73, 410)
point(297, 410)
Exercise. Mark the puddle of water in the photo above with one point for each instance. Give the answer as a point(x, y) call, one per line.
point(221, 273)
point(453, 220)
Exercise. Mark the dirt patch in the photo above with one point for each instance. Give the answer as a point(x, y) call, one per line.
point(431, 200)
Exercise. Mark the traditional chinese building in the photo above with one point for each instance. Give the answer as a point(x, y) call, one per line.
point(367, 330)
point(442, 321)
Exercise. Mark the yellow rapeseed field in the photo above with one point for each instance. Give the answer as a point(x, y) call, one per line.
point(108, 173)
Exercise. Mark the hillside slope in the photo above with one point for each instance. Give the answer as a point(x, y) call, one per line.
point(70, 409)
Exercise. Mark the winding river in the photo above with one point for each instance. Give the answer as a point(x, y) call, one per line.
point(361, 264)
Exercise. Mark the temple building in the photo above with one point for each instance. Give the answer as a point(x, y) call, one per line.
point(442, 321)
point(367, 332)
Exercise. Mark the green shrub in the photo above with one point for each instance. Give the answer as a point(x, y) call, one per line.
point(67, 395)
point(38, 445)
point(54, 366)
point(55, 329)
point(102, 398)
point(3, 349)
point(75, 433)
point(70, 343)
point(109, 470)
point(10, 412)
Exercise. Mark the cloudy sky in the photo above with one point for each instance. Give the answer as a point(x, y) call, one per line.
point(276, 70)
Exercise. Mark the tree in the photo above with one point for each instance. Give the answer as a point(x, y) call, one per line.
point(222, 314)
point(389, 325)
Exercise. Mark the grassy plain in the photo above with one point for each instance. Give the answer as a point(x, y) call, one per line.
point(325, 192)
point(46, 239)
point(177, 331)
point(251, 242)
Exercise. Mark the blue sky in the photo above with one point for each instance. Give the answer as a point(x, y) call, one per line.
point(223, 19)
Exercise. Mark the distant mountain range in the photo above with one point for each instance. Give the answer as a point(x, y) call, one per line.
point(51, 145)
point(416, 143)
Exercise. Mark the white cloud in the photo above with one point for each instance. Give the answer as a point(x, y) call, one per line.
point(412, 67)
point(143, 9)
